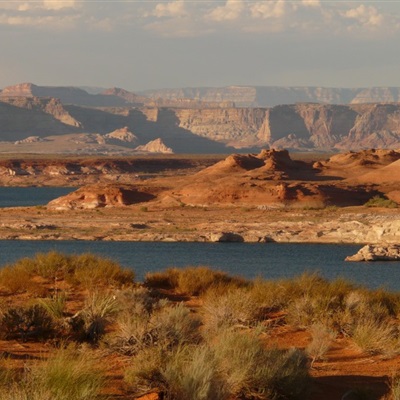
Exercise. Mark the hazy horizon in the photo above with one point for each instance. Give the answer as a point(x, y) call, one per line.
point(143, 45)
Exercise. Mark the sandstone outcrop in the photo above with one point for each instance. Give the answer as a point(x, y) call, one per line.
point(377, 253)
point(270, 179)
point(155, 146)
point(355, 165)
point(121, 135)
point(226, 237)
point(98, 196)
point(30, 139)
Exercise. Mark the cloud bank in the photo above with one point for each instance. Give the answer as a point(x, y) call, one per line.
point(188, 18)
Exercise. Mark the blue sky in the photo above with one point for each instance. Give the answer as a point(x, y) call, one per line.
point(148, 44)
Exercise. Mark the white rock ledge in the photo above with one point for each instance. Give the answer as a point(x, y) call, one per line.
point(377, 253)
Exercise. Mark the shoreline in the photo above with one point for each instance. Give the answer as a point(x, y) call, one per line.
point(350, 225)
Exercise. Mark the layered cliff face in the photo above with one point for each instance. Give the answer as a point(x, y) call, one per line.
point(21, 117)
point(270, 96)
point(301, 126)
point(237, 127)
point(70, 95)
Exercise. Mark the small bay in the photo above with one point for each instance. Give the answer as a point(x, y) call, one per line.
point(30, 196)
point(250, 260)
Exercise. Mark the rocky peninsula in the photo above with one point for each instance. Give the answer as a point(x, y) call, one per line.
point(265, 197)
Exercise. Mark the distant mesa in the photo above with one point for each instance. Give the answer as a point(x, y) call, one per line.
point(270, 96)
point(155, 146)
point(74, 95)
point(129, 97)
point(21, 89)
point(207, 120)
point(98, 196)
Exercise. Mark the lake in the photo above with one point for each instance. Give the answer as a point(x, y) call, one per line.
point(250, 260)
point(30, 196)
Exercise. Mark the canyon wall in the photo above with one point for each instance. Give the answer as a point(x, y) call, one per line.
point(301, 126)
point(270, 96)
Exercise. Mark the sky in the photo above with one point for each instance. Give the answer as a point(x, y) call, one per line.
point(146, 44)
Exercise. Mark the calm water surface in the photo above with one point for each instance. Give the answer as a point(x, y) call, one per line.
point(30, 196)
point(270, 261)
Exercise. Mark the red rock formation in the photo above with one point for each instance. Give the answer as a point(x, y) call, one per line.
point(97, 196)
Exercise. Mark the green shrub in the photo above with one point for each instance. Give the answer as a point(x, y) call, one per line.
point(235, 307)
point(375, 337)
point(133, 333)
point(269, 296)
point(166, 327)
point(65, 376)
point(395, 387)
point(186, 372)
point(54, 306)
point(252, 371)
point(16, 279)
point(381, 201)
point(175, 326)
point(167, 279)
point(26, 323)
point(51, 265)
point(87, 270)
point(92, 272)
point(72, 375)
point(314, 300)
point(192, 281)
point(99, 311)
point(144, 374)
point(321, 342)
point(193, 373)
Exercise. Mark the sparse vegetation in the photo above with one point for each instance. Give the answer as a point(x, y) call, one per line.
point(26, 323)
point(192, 280)
point(321, 342)
point(381, 201)
point(220, 346)
point(67, 375)
point(86, 270)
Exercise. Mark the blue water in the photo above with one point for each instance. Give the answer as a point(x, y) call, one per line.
point(30, 196)
point(270, 261)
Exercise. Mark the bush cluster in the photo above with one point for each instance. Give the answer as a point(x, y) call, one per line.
point(381, 201)
point(86, 270)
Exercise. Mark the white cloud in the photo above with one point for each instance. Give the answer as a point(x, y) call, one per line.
point(58, 4)
point(172, 9)
point(231, 11)
point(26, 21)
point(311, 3)
point(270, 9)
point(367, 16)
point(34, 5)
